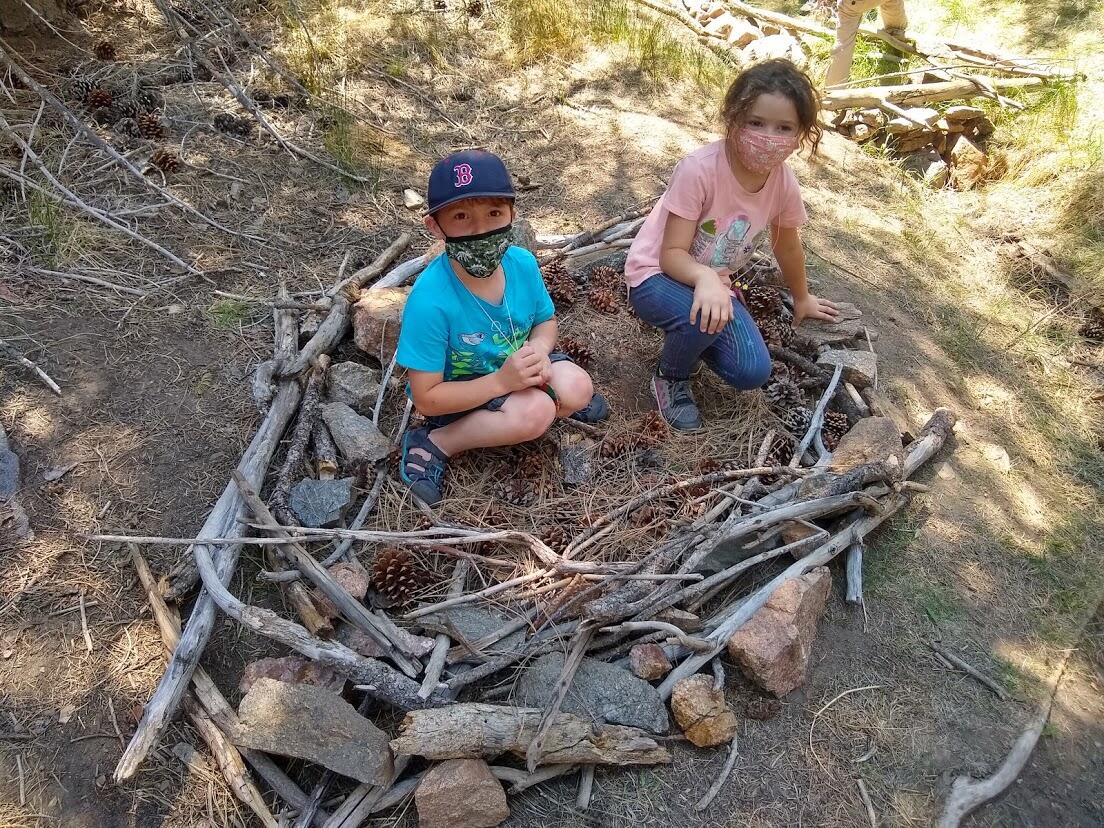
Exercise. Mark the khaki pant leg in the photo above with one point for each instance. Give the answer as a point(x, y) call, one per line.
point(893, 14)
point(850, 16)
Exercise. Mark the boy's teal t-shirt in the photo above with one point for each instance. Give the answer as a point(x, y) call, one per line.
point(446, 329)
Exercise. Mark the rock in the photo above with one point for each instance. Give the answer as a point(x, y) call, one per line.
point(882, 406)
point(474, 623)
point(685, 621)
point(576, 453)
point(351, 577)
point(873, 118)
point(860, 368)
point(998, 457)
point(979, 128)
point(924, 114)
point(770, 28)
point(846, 328)
point(600, 692)
point(741, 33)
point(524, 235)
point(460, 793)
point(377, 317)
point(775, 46)
point(773, 647)
point(701, 711)
point(860, 132)
point(928, 165)
point(792, 532)
point(960, 113)
point(904, 144)
point(968, 163)
point(354, 384)
point(871, 439)
point(902, 127)
point(358, 440)
point(9, 469)
point(720, 26)
point(292, 670)
point(357, 639)
point(649, 662)
point(311, 723)
point(412, 199)
point(319, 503)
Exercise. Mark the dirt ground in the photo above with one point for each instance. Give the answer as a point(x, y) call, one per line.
point(155, 410)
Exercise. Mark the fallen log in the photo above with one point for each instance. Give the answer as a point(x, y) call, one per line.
point(485, 730)
point(914, 94)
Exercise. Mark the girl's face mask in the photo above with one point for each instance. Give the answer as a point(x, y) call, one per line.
point(480, 255)
point(760, 152)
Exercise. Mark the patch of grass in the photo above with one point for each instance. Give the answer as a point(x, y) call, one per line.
point(885, 566)
point(62, 237)
point(937, 602)
point(228, 313)
point(959, 12)
point(351, 144)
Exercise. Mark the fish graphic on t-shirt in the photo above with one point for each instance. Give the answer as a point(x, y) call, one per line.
point(473, 338)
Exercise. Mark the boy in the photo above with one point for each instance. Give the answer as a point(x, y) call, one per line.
point(478, 331)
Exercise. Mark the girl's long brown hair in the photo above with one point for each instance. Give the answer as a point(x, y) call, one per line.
point(778, 76)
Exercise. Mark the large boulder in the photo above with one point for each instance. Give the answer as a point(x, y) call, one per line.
point(460, 793)
point(772, 648)
point(775, 46)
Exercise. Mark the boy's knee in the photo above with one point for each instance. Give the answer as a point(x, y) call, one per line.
point(532, 413)
point(573, 387)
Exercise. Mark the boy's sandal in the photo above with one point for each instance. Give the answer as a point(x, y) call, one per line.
point(596, 411)
point(427, 482)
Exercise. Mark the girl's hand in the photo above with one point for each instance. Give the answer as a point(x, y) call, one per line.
point(712, 308)
point(813, 307)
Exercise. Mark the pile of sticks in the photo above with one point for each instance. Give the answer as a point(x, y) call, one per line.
point(559, 599)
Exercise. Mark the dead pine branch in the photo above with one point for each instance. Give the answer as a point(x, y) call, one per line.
point(14, 355)
point(722, 777)
point(961, 664)
point(572, 663)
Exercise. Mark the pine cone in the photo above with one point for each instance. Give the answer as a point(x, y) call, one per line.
point(763, 302)
point(581, 353)
point(530, 463)
point(783, 395)
point(105, 50)
point(97, 97)
point(561, 286)
point(776, 331)
point(148, 100)
point(397, 575)
point(604, 301)
point(712, 464)
point(555, 538)
point(128, 108)
point(165, 160)
point(779, 454)
point(225, 122)
point(797, 420)
point(1093, 329)
point(516, 492)
point(605, 277)
point(656, 516)
point(653, 427)
point(615, 445)
point(150, 126)
point(78, 89)
point(835, 426)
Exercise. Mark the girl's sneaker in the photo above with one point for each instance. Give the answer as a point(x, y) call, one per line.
point(676, 403)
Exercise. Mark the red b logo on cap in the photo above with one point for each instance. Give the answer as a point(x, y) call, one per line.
point(463, 174)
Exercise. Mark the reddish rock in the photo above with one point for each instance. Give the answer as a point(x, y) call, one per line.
point(685, 621)
point(773, 647)
point(968, 163)
point(649, 662)
point(870, 440)
point(376, 321)
point(357, 639)
point(352, 578)
point(701, 711)
point(292, 670)
point(460, 793)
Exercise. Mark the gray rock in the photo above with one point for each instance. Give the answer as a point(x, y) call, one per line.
point(860, 368)
point(316, 724)
point(319, 503)
point(473, 623)
point(9, 469)
point(600, 691)
point(412, 199)
point(358, 440)
point(524, 235)
point(846, 328)
point(354, 384)
point(575, 463)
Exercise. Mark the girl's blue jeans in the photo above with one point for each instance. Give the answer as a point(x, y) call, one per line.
point(737, 354)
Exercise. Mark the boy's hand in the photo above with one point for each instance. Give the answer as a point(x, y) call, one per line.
point(712, 308)
point(522, 369)
point(813, 307)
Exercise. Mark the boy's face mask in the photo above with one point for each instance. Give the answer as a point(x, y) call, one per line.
point(760, 152)
point(481, 254)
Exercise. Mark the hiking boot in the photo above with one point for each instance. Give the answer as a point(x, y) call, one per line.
point(596, 411)
point(676, 403)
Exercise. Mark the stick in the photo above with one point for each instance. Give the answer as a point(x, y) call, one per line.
point(967, 793)
point(718, 783)
point(353, 610)
point(868, 802)
point(84, 625)
point(970, 671)
point(818, 417)
point(365, 509)
point(13, 354)
point(572, 663)
point(441, 644)
point(917, 93)
point(308, 416)
point(226, 755)
point(333, 327)
point(854, 573)
point(384, 381)
point(586, 787)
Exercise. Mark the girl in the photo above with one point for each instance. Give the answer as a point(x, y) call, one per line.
point(721, 200)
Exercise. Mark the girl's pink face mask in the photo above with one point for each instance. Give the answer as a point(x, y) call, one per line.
point(760, 152)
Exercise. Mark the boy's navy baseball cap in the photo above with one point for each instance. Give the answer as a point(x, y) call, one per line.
point(467, 174)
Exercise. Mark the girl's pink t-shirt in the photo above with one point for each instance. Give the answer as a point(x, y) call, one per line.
point(731, 222)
